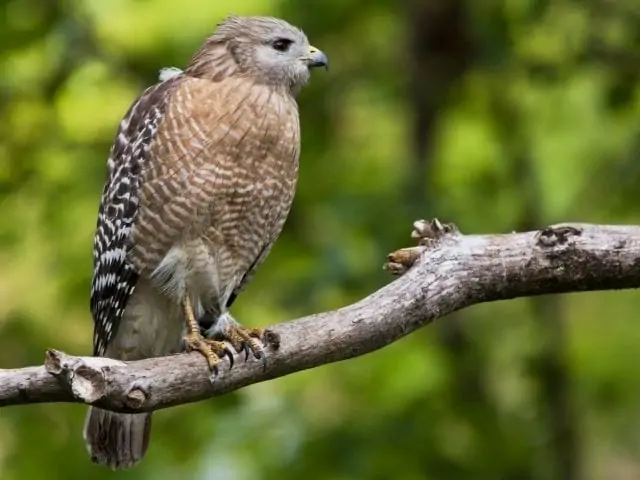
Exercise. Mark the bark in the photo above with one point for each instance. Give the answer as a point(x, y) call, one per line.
point(447, 272)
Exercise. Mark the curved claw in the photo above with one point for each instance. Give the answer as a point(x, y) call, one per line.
point(263, 357)
point(246, 350)
point(215, 374)
point(229, 355)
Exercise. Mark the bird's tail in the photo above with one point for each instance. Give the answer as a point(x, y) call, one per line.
point(117, 440)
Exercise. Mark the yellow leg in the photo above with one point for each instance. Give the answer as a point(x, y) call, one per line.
point(212, 350)
point(192, 324)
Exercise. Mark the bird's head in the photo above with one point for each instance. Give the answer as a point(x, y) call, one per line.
point(268, 49)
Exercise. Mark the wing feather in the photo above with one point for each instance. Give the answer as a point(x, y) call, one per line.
point(114, 277)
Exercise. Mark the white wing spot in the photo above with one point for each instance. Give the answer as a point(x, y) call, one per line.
point(169, 72)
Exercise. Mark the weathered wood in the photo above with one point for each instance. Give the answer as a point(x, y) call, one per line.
point(447, 272)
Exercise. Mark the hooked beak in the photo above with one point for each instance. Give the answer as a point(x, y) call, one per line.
point(316, 58)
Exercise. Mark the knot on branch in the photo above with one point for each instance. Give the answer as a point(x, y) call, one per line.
point(271, 339)
point(84, 377)
point(556, 235)
point(136, 398)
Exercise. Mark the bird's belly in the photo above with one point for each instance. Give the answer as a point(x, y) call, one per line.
point(236, 242)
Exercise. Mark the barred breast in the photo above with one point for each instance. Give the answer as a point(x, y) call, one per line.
point(212, 208)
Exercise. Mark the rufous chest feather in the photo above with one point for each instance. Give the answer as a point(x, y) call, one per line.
point(225, 169)
point(233, 122)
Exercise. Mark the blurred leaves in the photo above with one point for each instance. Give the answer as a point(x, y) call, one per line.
point(554, 84)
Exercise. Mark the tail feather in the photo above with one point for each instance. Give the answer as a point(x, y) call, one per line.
point(117, 440)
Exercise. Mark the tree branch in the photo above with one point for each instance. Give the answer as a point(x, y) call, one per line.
point(446, 272)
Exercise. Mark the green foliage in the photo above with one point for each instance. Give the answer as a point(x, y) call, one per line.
point(542, 125)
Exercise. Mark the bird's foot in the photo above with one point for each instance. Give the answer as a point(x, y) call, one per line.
point(212, 350)
point(243, 339)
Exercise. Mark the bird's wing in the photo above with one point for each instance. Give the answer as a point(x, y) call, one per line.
point(114, 277)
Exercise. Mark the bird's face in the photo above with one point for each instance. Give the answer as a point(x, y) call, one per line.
point(271, 50)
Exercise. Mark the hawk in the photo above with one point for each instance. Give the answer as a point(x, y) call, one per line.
point(201, 177)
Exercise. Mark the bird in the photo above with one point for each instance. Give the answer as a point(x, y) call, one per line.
point(201, 177)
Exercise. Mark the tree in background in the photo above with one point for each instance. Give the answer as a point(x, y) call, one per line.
point(497, 115)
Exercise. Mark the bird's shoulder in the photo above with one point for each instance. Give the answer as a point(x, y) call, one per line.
point(136, 132)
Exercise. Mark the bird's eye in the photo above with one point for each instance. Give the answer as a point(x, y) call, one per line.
point(281, 44)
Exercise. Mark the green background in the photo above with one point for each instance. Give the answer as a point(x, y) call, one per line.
point(499, 115)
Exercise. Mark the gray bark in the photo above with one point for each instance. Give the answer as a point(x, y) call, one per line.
point(446, 272)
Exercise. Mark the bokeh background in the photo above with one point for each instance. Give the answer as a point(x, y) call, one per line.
point(499, 115)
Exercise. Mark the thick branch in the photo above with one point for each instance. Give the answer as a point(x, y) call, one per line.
point(451, 272)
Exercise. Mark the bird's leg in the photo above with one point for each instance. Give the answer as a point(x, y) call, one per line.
point(212, 350)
